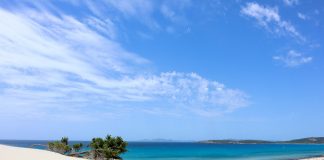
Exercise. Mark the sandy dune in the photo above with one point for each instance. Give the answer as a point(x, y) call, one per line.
point(18, 153)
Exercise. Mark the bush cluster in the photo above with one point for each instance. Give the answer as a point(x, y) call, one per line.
point(100, 149)
point(61, 147)
point(108, 148)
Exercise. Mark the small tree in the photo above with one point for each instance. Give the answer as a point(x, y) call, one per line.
point(77, 147)
point(96, 145)
point(65, 140)
point(109, 148)
point(61, 147)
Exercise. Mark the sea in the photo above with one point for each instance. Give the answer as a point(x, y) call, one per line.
point(199, 151)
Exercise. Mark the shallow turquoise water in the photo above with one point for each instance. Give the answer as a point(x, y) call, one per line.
point(197, 151)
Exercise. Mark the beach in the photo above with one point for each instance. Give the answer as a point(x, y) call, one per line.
point(315, 158)
point(19, 153)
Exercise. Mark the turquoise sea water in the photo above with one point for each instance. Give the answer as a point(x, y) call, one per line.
point(197, 151)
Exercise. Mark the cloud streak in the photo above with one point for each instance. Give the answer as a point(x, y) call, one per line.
point(291, 2)
point(270, 19)
point(52, 63)
point(302, 16)
point(293, 59)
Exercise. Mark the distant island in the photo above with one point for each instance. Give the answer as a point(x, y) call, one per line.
point(309, 140)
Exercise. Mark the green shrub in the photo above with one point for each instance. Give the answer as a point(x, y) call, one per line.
point(61, 147)
point(77, 147)
point(109, 148)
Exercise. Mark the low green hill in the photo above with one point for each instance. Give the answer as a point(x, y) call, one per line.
point(309, 140)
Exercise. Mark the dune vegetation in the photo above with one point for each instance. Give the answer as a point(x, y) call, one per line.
point(107, 148)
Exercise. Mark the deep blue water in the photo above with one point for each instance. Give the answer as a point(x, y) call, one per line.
point(197, 151)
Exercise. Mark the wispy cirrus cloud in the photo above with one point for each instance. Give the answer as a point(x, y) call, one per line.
point(54, 63)
point(302, 16)
point(291, 2)
point(270, 19)
point(141, 10)
point(132, 8)
point(293, 59)
point(144, 11)
point(174, 11)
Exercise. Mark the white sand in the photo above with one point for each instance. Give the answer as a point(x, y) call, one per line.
point(318, 158)
point(18, 153)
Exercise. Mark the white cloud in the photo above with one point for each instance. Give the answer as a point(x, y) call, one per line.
point(175, 12)
point(293, 59)
point(167, 12)
point(291, 2)
point(141, 10)
point(270, 19)
point(302, 16)
point(132, 7)
point(145, 12)
point(106, 26)
point(55, 62)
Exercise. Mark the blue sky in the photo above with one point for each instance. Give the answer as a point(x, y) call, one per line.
point(182, 70)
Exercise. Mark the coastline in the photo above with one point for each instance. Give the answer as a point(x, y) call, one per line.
point(20, 153)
